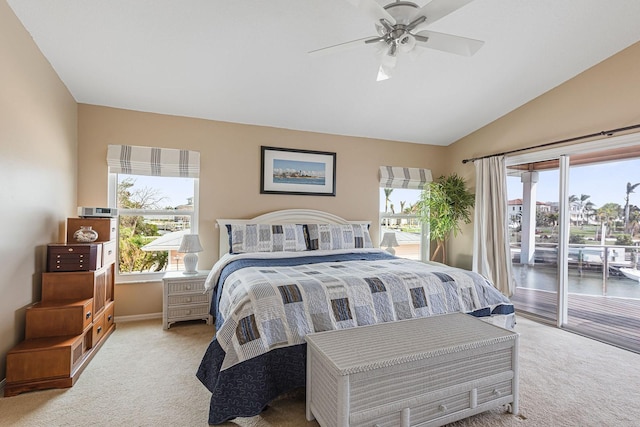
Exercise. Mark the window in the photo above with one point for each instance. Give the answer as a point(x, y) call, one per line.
point(400, 192)
point(156, 208)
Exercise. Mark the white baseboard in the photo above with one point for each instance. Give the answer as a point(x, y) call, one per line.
point(135, 317)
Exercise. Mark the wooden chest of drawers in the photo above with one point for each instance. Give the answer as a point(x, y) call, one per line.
point(75, 315)
point(74, 257)
point(45, 359)
point(79, 285)
point(107, 228)
point(58, 318)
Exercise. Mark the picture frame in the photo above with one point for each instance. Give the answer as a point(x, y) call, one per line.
point(299, 172)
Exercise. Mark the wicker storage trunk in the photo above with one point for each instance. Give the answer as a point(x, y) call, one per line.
point(420, 372)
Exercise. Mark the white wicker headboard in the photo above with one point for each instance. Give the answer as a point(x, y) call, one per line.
point(286, 216)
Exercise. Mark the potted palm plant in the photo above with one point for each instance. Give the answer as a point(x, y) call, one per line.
point(443, 204)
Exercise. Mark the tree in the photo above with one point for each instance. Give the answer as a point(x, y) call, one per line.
point(589, 210)
point(387, 198)
point(134, 232)
point(443, 205)
point(608, 214)
point(630, 189)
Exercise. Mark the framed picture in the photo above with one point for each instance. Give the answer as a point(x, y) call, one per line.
point(303, 172)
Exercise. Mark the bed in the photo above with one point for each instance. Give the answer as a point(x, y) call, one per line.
point(288, 273)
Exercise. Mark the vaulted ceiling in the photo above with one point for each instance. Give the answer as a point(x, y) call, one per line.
point(247, 61)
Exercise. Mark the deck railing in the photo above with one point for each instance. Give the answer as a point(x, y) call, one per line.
point(589, 261)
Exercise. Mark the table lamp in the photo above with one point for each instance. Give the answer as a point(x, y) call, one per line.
point(389, 240)
point(190, 246)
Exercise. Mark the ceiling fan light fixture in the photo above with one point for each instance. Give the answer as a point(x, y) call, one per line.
point(387, 66)
point(407, 43)
point(402, 25)
point(402, 11)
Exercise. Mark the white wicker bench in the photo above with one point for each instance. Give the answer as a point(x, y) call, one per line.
point(429, 371)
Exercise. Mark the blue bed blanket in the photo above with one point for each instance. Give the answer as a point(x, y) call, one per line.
point(265, 307)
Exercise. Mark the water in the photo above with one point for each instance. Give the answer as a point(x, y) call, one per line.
point(590, 283)
point(297, 180)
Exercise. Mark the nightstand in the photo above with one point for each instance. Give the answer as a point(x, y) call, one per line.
point(184, 298)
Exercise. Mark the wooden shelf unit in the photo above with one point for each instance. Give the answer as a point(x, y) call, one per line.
point(69, 325)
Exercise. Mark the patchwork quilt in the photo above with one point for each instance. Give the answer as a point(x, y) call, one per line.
point(265, 303)
point(267, 307)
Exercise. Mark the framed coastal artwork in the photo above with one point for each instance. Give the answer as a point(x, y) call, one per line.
point(303, 172)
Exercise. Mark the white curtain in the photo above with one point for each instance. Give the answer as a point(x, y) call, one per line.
point(491, 252)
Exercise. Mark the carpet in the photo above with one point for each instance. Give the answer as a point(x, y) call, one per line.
point(145, 376)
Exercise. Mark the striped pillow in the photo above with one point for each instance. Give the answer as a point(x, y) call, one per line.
point(338, 236)
point(266, 238)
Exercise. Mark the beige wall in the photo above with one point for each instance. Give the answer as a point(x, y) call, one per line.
point(230, 174)
point(37, 171)
point(607, 96)
point(45, 139)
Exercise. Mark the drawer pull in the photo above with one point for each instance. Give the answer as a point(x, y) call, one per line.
point(88, 315)
point(99, 329)
point(442, 408)
point(497, 393)
point(109, 318)
point(109, 252)
point(188, 299)
point(188, 311)
point(70, 249)
point(188, 287)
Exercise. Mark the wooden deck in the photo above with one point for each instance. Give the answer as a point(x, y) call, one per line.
point(612, 320)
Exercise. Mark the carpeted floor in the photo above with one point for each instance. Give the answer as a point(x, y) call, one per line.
point(144, 376)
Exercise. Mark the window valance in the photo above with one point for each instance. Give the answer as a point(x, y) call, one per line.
point(398, 177)
point(130, 159)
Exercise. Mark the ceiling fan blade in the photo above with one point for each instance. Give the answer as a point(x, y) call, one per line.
point(344, 46)
point(373, 10)
point(448, 43)
point(437, 9)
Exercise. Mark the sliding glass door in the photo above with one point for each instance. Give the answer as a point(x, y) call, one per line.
point(574, 221)
point(534, 235)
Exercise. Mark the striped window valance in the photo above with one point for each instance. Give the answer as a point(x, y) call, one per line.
point(152, 161)
point(397, 177)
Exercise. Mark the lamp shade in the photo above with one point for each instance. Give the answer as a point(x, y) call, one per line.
point(389, 240)
point(190, 244)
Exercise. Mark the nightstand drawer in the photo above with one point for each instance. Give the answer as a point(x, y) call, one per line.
point(188, 311)
point(186, 286)
point(188, 299)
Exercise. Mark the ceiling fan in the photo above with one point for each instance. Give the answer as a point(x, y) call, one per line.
point(401, 26)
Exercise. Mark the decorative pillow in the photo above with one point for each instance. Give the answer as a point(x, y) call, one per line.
point(338, 236)
point(266, 238)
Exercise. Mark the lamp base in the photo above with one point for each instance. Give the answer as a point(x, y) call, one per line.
point(190, 263)
point(391, 250)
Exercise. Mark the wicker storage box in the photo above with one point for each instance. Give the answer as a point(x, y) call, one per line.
point(429, 372)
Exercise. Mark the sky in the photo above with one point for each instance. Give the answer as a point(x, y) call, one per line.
point(173, 190)
point(605, 183)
